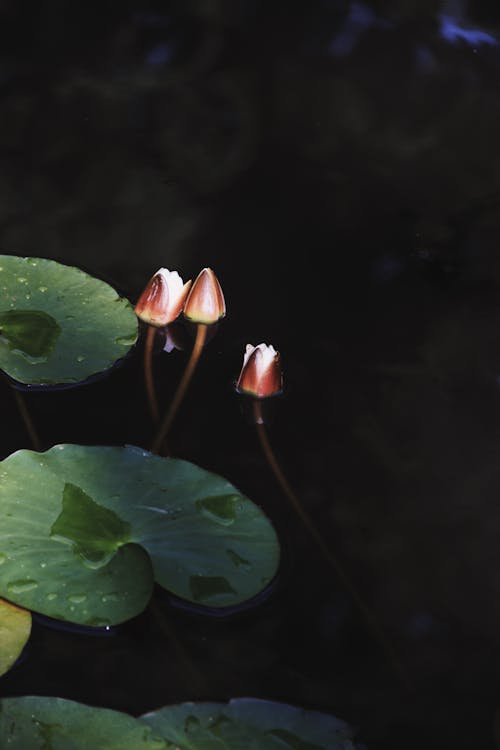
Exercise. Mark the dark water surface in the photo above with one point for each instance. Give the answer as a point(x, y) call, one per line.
point(337, 164)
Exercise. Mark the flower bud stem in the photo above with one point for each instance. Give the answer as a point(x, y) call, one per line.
point(28, 422)
point(324, 549)
point(199, 343)
point(148, 374)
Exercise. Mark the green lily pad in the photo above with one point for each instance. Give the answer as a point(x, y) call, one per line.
point(58, 324)
point(40, 723)
point(85, 531)
point(249, 723)
point(15, 629)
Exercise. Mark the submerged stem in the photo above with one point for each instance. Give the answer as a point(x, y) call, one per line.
point(148, 374)
point(324, 549)
point(199, 343)
point(28, 422)
point(189, 669)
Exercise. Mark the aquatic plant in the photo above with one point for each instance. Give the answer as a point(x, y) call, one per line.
point(36, 723)
point(88, 531)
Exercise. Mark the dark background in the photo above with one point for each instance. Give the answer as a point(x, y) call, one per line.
point(337, 165)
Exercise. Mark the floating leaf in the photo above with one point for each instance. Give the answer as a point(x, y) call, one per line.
point(58, 325)
point(249, 723)
point(86, 530)
point(15, 629)
point(41, 723)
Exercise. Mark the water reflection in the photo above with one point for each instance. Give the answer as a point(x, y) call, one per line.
point(337, 156)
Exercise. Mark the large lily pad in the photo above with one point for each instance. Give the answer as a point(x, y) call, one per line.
point(58, 324)
point(40, 723)
point(15, 629)
point(86, 530)
point(249, 723)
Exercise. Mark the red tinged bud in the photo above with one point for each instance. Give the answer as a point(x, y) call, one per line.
point(205, 302)
point(163, 298)
point(261, 374)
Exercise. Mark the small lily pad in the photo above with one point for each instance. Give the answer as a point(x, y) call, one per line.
point(58, 324)
point(46, 723)
point(85, 531)
point(15, 629)
point(249, 723)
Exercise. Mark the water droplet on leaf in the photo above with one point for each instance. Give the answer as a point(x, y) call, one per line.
point(77, 598)
point(22, 585)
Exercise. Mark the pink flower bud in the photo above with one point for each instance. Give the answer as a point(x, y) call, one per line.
point(261, 374)
point(205, 302)
point(163, 298)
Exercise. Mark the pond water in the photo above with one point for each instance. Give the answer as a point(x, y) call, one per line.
point(337, 165)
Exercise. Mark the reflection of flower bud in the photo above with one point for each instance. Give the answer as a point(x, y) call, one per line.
point(261, 374)
point(205, 302)
point(163, 298)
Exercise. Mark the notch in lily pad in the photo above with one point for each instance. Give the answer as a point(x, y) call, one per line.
point(60, 326)
point(94, 532)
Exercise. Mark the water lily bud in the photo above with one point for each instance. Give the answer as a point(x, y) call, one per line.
point(261, 374)
point(163, 298)
point(205, 302)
